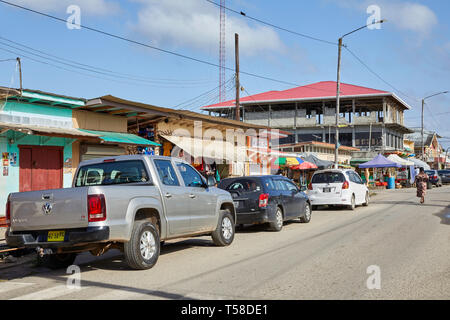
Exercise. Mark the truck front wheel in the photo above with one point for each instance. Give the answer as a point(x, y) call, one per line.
point(142, 251)
point(224, 233)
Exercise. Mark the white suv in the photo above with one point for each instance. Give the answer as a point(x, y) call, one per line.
point(338, 187)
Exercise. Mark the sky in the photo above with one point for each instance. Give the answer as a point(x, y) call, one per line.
point(409, 53)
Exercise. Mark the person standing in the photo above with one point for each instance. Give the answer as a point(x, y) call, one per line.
point(421, 184)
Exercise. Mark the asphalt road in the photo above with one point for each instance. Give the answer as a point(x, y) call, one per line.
point(325, 259)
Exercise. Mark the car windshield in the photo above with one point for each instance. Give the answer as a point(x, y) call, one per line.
point(328, 177)
point(111, 172)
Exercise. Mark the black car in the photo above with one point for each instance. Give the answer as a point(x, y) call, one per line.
point(267, 199)
point(434, 177)
point(445, 175)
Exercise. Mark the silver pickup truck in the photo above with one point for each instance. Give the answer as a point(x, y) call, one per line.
point(132, 203)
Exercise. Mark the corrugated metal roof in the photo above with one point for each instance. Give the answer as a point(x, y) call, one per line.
point(314, 91)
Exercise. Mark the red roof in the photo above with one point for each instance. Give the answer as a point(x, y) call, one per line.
point(323, 89)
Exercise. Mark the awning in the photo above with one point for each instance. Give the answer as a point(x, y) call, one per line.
point(420, 164)
point(403, 162)
point(119, 137)
point(40, 130)
point(213, 149)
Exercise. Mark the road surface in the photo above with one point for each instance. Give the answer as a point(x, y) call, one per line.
point(403, 248)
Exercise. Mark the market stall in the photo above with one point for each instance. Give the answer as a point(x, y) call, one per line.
point(383, 171)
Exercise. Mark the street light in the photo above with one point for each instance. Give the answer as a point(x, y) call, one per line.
point(423, 103)
point(336, 146)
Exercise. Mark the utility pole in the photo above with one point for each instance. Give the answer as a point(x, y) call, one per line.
point(238, 86)
point(423, 104)
point(338, 87)
point(20, 73)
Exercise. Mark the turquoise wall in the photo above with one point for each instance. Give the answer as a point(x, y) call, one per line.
point(10, 141)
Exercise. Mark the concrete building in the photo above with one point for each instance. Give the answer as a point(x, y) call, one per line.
point(369, 118)
point(434, 154)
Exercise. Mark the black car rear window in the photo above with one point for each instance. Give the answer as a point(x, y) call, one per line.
point(244, 185)
point(430, 172)
point(328, 177)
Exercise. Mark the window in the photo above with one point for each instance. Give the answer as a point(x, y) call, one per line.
point(244, 185)
point(166, 173)
point(190, 176)
point(290, 186)
point(328, 177)
point(114, 172)
point(279, 185)
point(354, 177)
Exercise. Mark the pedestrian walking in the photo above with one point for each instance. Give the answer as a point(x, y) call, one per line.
point(421, 184)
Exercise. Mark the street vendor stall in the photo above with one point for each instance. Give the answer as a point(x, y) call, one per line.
point(381, 162)
point(406, 174)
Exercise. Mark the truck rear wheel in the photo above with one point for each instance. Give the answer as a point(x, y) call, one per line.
point(224, 233)
point(57, 261)
point(142, 251)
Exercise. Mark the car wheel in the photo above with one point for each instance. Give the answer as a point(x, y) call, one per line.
point(352, 205)
point(142, 251)
point(277, 225)
point(224, 233)
point(57, 261)
point(307, 215)
point(366, 203)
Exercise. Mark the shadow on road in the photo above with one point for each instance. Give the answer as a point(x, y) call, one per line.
point(444, 215)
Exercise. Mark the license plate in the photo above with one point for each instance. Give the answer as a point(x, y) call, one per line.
point(236, 203)
point(56, 236)
point(326, 189)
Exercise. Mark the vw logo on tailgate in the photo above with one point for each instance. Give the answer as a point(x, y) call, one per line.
point(47, 208)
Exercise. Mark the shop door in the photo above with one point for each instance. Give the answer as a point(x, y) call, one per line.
point(41, 168)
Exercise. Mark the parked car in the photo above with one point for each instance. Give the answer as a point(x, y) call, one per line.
point(434, 177)
point(338, 187)
point(127, 202)
point(267, 199)
point(445, 175)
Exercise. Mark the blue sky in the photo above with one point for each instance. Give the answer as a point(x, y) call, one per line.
point(411, 51)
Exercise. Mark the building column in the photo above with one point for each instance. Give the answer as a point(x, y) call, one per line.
point(353, 136)
point(295, 124)
point(353, 111)
point(269, 115)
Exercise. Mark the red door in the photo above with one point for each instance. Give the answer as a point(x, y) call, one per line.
point(41, 168)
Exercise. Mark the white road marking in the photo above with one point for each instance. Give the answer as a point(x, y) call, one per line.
point(49, 293)
point(9, 286)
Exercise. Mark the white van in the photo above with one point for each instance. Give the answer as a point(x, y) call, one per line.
point(338, 187)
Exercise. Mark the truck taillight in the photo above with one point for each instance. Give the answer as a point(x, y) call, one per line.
point(263, 200)
point(8, 212)
point(345, 185)
point(96, 207)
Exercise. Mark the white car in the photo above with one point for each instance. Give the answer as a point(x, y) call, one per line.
point(338, 187)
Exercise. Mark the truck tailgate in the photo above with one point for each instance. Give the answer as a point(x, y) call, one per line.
point(49, 209)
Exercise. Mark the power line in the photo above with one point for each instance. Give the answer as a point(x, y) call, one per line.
point(377, 75)
point(147, 45)
point(273, 25)
point(203, 94)
point(4, 60)
point(139, 78)
point(69, 70)
point(89, 69)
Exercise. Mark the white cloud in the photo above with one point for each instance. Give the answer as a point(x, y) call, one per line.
point(414, 17)
point(195, 24)
point(89, 7)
